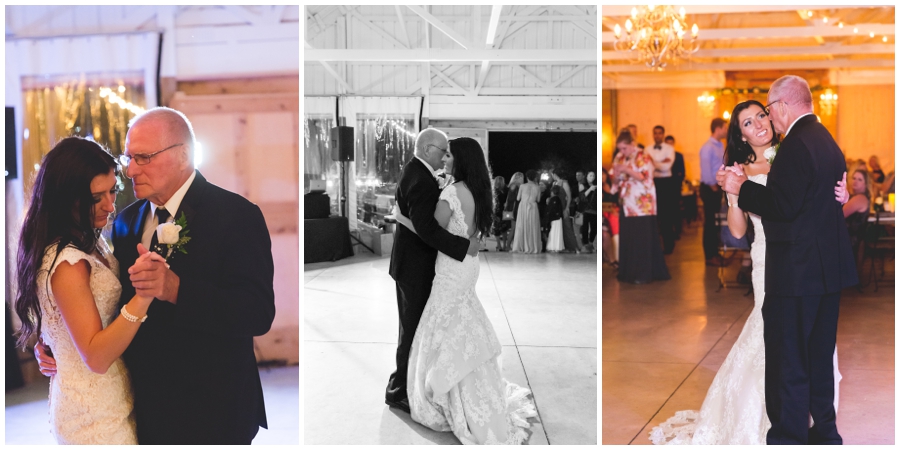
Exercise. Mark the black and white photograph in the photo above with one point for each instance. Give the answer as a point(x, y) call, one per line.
point(152, 238)
point(450, 187)
point(748, 255)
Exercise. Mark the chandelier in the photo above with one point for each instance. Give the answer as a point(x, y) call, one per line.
point(654, 35)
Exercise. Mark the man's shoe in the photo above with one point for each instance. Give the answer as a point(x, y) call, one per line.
point(402, 405)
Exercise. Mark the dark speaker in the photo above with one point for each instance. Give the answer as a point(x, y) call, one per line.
point(316, 206)
point(342, 143)
point(12, 167)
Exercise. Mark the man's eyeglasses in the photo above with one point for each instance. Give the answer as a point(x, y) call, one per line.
point(766, 108)
point(143, 159)
point(443, 150)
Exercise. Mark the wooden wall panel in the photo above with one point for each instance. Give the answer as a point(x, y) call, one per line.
point(865, 122)
point(674, 109)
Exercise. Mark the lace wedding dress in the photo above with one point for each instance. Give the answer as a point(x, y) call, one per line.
point(734, 411)
point(455, 382)
point(85, 407)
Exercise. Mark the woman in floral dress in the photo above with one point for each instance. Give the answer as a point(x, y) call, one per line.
point(640, 252)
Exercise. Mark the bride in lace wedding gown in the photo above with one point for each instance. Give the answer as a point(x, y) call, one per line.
point(69, 292)
point(455, 381)
point(734, 411)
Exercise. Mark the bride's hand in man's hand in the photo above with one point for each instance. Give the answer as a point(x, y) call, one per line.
point(151, 277)
point(841, 193)
point(46, 363)
point(474, 246)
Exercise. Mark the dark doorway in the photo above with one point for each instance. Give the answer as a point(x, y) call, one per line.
point(511, 152)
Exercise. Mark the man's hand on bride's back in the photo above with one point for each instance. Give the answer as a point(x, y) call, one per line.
point(474, 246)
point(45, 362)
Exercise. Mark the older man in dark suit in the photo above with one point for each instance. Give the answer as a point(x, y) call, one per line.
point(809, 261)
point(414, 253)
point(192, 365)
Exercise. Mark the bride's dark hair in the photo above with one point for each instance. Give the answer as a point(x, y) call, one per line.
point(469, 165)
point(736, 149)
point(60, 213)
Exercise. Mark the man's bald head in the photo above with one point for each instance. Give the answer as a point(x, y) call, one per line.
point(431, 144)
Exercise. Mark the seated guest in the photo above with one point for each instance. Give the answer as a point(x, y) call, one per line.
point(856, 210)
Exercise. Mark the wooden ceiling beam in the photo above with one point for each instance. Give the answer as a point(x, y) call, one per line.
point(758, 65)
point(609, 37)
point(776, 51)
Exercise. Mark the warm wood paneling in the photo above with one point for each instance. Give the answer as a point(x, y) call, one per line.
point(674, 109)
point(865, 122)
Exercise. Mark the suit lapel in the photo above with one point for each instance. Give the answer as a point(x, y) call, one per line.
point(188, 206)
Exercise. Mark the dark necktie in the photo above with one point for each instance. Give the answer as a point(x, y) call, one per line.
point(163, 215)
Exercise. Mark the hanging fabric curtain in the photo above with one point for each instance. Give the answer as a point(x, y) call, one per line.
point(385, 130)
point(318, 119)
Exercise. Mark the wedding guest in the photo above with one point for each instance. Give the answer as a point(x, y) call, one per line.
point(511, 209)
point(528, 224)
point(581, 185)
point(640, 256)
point(500, 227)
point(610, 237)
point(589, 202)
point(875, 170)
point(542, 210)
point(711, 157)
point(553, 220)
point(569, 238)
point(678, 173)
point(668, 191)
point(856, 210)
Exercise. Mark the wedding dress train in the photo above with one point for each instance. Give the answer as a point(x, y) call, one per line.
point(455, 381)
point(734, 411)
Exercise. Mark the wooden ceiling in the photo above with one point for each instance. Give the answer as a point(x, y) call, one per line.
point(735, 38)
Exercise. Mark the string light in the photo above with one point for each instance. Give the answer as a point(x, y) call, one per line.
point(115, 99)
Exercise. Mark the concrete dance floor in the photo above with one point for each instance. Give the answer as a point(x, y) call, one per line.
point(543, 308)
point(664, 342)
point(27, 413)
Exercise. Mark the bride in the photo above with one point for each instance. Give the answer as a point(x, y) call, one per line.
point(69, 292)
point(734, 411)
point(455, 382)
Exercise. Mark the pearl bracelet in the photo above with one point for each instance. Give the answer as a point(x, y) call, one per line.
point(132, 318)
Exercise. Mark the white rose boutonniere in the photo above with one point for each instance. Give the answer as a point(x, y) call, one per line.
point(173, 235)
point(770, 153)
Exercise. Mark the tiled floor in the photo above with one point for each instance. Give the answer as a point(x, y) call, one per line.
point(663, 343)
point(543, 308)
point(27, 414)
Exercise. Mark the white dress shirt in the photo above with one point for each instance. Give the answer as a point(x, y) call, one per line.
point(171, 206)
point(665, 151)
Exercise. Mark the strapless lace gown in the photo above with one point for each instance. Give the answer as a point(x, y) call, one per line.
point(455, 382)
point(85, 407)
point(734, 411)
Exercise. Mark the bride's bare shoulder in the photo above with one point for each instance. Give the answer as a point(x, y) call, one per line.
point(463, 192)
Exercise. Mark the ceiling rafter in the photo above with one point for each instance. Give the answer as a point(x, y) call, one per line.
point(330, 70)
point(449, 81)
point(566, 76)
point(444, 28)
point(609, 37)
point(827, 49)
point(381, 32)
point(530, 75)
point(760, 65)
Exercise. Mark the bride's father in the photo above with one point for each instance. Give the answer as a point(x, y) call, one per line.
point(808, 261)
point(413, 255)
point(192, 365)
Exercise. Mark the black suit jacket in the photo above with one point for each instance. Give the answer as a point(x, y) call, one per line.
point(678, 170)
point(413, 255)
point(192, 364)
point(807, 243)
